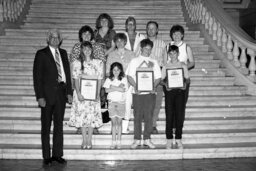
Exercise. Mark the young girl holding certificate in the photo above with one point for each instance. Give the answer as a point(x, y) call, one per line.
point(174, 96)
point(116, 86)
point(85, 113)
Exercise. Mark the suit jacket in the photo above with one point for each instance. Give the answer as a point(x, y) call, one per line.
point(45, 74)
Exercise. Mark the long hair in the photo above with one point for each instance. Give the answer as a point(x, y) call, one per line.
point(120, 67)
point(82, 56)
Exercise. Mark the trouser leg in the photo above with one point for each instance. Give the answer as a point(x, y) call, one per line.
point(148, 108)
point(158, 104)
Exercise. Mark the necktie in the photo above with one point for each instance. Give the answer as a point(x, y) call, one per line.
point(57, 61)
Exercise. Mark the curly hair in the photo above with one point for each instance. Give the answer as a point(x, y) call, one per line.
point(177, 28)
point(85, 29)
point(120, 67)
point(104, 16)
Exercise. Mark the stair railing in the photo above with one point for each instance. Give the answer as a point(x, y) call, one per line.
point(229, 38)
point(10, 10)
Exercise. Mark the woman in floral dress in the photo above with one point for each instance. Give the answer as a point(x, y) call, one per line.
point(86, 114)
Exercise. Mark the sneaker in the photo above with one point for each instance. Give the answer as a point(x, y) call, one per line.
point(174, 145)
point(179, 144)
point(149, 144)
point(154, 131)
point(113, 145)
point(135, 144)
point(125, 131)
point(169, 144)
point(118, 145)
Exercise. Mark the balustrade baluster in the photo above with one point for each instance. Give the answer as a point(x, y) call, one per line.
point(224, 41)
point(203, 15)
point(236, 54)
point(207, 17)
point(252, 66)
point(214, 30)
point(210, 24)
point(219, 34)
point(243, 60)
point(229, 48)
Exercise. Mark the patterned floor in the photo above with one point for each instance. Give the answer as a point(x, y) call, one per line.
point(237, 164)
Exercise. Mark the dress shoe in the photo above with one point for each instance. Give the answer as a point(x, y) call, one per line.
point(59, 160)
point(154, 131)
point(47, 162)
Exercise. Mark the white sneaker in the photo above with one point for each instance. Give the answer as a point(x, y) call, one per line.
point(113, 145)
point(169, 144)
point(135, 144)
point(179, 144)
point(118, 145)
point(149, 144)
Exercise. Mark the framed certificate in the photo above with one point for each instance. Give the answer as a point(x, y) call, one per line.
point(89, 88)
point(145, 80)
point(175, 78)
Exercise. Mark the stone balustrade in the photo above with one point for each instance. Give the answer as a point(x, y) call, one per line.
point(232, 41)
point(10, 10)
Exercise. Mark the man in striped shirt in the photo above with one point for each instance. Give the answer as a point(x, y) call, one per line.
point(158, 53)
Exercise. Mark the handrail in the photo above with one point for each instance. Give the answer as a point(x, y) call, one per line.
point(230, 39)
point(10, 10)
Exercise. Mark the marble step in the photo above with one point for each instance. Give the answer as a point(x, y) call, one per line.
point(198, 92)
point(195, 81)
point(76, 26)
point(32, 32)
point(197, 72)
point(33, 113)
point(194, 91)
point(25, 41)
point(203, 64)
point(34, 126)
point(29, 56)
point(198, 151)
point(35, 47)
point(194, 101)
point(127, 139)
point(199, 63)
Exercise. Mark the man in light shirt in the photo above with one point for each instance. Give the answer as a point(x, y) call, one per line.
point(143, 103)
point(158, 53)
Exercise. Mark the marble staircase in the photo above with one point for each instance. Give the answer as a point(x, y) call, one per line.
point(220, 116)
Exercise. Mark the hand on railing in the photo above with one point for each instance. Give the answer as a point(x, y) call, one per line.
point(10, 10)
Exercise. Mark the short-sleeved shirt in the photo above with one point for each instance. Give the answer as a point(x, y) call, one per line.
point(106, 41)
point(136, 62)
point(116, 96)
point(124, 59)
point(92, 68)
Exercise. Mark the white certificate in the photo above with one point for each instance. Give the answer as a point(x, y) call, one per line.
point(89, 88)
point(175, 78)
point(145, 81)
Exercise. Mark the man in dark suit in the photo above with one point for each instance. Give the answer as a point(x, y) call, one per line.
point(52, 84)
